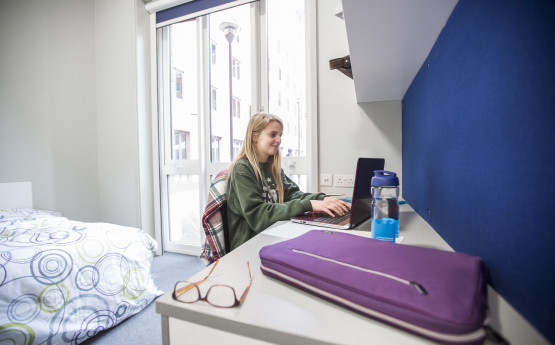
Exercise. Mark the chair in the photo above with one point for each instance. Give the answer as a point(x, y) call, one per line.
point(214, 220)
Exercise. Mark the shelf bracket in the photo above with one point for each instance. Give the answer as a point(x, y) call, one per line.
point(343, 65)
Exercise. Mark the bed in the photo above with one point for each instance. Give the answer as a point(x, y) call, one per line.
point(64, 281)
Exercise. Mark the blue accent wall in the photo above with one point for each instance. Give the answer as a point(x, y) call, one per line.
point(479, 146)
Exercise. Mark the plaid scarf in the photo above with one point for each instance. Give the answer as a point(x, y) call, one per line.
point(214, 246)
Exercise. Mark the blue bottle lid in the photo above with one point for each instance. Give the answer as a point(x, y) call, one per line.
point(384, 178)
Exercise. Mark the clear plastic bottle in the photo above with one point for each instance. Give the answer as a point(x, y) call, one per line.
point(385, 205)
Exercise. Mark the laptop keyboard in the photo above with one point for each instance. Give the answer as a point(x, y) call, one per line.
point(333, 220)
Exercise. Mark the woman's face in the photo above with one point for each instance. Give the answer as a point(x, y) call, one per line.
point(267, 142)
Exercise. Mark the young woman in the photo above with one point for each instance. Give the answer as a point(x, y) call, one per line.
point(258, 191)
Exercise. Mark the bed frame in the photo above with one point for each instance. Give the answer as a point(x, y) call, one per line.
point(16, 195)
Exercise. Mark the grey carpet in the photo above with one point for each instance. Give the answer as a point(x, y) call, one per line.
point(145, 327)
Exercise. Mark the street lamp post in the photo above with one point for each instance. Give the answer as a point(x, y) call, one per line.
point(229, 29)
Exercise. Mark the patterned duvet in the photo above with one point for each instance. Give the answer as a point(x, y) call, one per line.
point(63, 281)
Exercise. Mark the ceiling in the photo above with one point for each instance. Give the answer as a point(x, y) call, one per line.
point(389, 40)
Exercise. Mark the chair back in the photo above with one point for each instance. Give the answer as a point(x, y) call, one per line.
point(214, 220)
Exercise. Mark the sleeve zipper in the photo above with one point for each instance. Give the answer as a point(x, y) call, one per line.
point(416, 285)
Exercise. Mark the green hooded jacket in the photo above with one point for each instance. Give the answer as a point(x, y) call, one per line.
point(253, 206)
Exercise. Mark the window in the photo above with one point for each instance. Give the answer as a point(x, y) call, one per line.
point(214, 98)
point(225, 80)
point(236, 107)
point(215, 149)
point(232, 78)
point(236, 69)
point(178, 83)
point(287, 66)
point(213, 52)
point(237, 146)
point(180, 144)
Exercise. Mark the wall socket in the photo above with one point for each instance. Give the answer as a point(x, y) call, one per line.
point(344, 180)
point(326, 180)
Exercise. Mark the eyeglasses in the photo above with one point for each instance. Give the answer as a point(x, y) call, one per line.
point(221, 296)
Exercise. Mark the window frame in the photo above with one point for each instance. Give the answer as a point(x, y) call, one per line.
point(292, 165)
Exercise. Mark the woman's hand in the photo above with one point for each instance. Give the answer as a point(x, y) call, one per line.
point(331, 206)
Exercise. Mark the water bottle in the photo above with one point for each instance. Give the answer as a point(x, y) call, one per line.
point(385, 205)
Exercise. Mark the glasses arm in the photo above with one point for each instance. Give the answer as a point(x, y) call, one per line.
point(189, 287)
point(248, 286)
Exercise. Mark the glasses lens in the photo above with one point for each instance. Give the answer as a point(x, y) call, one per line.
point(221, 296)
point(186, 292)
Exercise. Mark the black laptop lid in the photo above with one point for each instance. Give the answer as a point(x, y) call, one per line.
point(362, 197)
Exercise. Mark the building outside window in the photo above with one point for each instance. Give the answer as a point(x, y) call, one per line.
point(236, 69)
point(213, 52)
point(213, 98)
point(178, 83)
point(180, 144)
point(236, 107)
point(237, 146)
point(215, 151)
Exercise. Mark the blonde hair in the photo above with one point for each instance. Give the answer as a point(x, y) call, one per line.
point(257, 123)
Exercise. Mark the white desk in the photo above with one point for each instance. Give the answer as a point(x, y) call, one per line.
point(275, 312)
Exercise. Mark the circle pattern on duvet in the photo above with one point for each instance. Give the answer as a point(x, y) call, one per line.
point(118, 239)
point(53, 298)
point(21, 255)
point(93, 324)
point(122, 311)
point(87, 278)
point(135, 283)
point(63, 323)
point(59, 237)
point(3, 274)
point(17, 333)
point(92, 249)
point(138, 251)
point(111, 269)
point(52, 266)
point(23, 309)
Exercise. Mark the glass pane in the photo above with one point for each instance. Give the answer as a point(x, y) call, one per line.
point(184, 96)
point(230, 80)
point(286, 72)
point(184, 206)
point(300, 180)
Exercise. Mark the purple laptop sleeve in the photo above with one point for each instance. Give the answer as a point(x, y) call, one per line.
point(437, 294)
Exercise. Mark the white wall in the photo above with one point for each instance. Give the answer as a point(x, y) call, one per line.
point(48, 132)
point(348, 130)
point(73, 97)
point(117, 120)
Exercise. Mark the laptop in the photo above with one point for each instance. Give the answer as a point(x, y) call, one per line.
point(360, 202)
